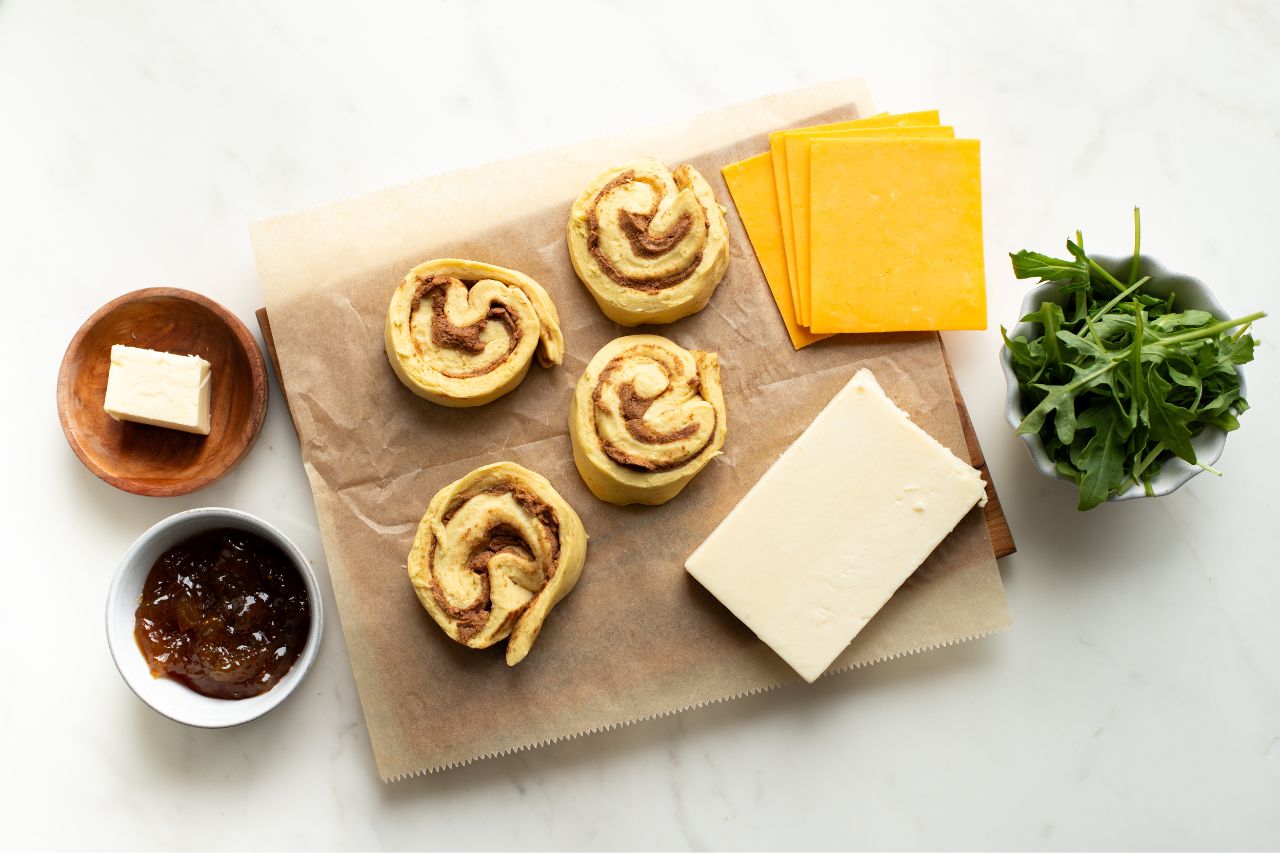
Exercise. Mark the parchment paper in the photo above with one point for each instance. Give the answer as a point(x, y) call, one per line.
point(637, 637)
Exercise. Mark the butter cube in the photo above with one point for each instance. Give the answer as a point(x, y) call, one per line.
point(158, 388)
point(831, 531)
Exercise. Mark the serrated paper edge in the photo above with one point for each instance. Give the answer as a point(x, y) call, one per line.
point(609, 727)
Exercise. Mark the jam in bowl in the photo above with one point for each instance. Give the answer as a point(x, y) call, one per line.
point(214, 617)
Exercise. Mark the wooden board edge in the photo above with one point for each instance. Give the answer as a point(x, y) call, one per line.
point(265, 325)
point(997, 524)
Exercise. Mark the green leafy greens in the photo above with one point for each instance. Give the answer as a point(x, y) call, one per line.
point(1119, 381)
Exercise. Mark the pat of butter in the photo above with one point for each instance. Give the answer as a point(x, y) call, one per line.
point(831, 531)
point(158, 388)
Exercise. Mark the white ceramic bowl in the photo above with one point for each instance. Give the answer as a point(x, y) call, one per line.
point(169, 697)
point(1190, 293)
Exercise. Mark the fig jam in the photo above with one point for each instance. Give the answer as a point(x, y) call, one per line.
point(225, 613)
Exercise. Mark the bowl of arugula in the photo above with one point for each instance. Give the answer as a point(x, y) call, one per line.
point(1124, 378)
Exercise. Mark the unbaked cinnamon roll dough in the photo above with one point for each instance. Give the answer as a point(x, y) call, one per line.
point(494, 552)
point(647, 415)
point(462, 333)
point(650, 244)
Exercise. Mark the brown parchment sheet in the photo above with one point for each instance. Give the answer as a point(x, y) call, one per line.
point(638, 637)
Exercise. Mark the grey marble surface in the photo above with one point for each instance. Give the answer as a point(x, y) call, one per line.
point(1136, 701)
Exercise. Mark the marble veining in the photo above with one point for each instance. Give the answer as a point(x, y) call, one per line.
point(1136, 701)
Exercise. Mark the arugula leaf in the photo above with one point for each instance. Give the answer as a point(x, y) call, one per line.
point(1120, 380)
point(1073, 273)
point(1225, 421)
point(1102, 463)
point(1190, 380)
point(1059, 401)
point(1084, 347)
point(1192, 319)
point(1110, 326)
point(1169, 422)
point(1238, 351)
point(1026, 359)
point(1228, 398)
point(1050, 317)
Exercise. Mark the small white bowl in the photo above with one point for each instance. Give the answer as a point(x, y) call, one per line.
point(166, 696)
point(1191, 294)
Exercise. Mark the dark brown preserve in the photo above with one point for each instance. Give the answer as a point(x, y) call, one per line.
point(225, 613)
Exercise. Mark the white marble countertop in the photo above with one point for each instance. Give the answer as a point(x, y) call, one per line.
point(1135, 702)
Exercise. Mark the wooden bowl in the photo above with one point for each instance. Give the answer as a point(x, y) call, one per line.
point(148, 460)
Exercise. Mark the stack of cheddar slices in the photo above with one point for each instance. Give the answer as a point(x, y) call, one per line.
point(872, 225)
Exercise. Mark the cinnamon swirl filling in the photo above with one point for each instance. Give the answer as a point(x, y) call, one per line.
point(494, 552)
point(647, 416)
point(650, 244)
point(462, 333)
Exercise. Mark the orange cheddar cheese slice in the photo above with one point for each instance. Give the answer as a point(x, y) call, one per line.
point(751, 184)
point(777, 146)
point(896, 235)
point(797, 148)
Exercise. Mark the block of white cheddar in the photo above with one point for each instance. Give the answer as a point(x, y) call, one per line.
point(831, 531)
point(158, 388)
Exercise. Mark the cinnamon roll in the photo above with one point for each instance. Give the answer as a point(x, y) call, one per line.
point(462, 333)
point(651, 245)
point(494, 553)
point(646, 417)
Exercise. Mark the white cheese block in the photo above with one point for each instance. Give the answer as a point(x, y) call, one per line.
point(831, 531)
point(158, 388)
